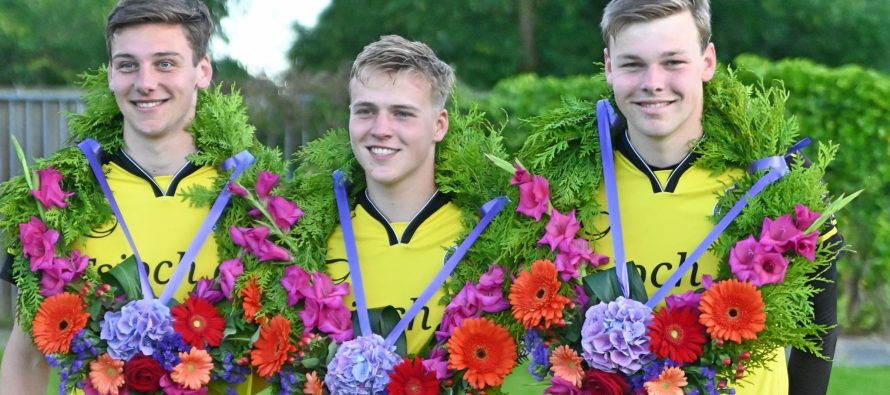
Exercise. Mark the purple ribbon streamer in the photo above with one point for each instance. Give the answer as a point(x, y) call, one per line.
point(605, 115)
point(489, 210)
point(240, 162)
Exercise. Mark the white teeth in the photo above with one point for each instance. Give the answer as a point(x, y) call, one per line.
point(148, 104)
point(382, 151)
point(654, 105)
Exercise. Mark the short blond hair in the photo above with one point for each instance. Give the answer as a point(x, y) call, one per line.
point(621, 13)
point(394, 54)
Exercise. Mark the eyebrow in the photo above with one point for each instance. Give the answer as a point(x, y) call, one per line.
point(154, 55)
point(364, 104)
point(665, 54)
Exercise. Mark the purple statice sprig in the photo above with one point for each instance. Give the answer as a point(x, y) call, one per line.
point(167, 351)
point(231, 371)
point(539, 355)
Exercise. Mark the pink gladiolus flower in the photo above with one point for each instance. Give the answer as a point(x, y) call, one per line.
point(690, 299)
point(237, 189)
point(325, 292)
point(437, 363)
point(50, 193)
point(284, 212)
point(228, 273)
point(568, 261)
point(206, 289)
point(770, 269)
point(534, 196)
point(490, 293)
point(520, 176)
point(63, 271)
point(39, 243)
point(744, 256)
point(805, 246)
point(805, 217)
point(337, 323)
point(265, 182)
point(779, 235)
point(255, 241)
point(310, 315)
point(560, 230)
point(295, 278)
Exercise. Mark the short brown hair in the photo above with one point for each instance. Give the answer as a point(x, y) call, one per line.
point(193, 15)
point(621, 13)
point(393, 54)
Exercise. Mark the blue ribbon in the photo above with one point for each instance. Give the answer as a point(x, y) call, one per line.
point(240, 162)
point(777, 168)
point(489, 210)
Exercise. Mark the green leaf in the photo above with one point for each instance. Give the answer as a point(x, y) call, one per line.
point(126, 277)
point(602, 286)
point(501, 163)
point(26, 171)
point(832, 208)
point(332, 350)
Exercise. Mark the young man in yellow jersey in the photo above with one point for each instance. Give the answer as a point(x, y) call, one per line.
point(658, 57)
point(403, 224)
point(158, 62)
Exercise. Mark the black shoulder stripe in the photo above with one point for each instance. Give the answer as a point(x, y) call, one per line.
point(438, 200)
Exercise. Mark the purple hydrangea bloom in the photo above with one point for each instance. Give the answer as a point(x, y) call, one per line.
point(361, 366)
point(614, 336)
point(137, 328)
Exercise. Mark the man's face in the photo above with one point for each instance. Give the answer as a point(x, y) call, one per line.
point(394, 127)
point(657, 69)
point(155, 80)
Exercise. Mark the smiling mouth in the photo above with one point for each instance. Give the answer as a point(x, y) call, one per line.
point(148, 104)
point(654, 105)
point(382, 150)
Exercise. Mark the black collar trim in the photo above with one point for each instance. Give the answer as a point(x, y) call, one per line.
point(437, 201)
point(622, 144)
point(127, 163)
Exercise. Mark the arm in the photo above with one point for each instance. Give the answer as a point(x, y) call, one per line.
point(807, 373)
point(23, 369)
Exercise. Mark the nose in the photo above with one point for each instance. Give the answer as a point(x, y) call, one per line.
point(382, 127)
point(146, 81)
point(653, 79)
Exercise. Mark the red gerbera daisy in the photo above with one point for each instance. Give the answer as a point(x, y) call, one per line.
point(58, 320)
point(676, 334)
point(733, 310)
point(197, 320)
point(251, 293)
point(271, 350)
point(410, 378)
point(534, 298)
point(485, 349)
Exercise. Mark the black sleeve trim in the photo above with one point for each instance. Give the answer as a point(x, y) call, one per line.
point(6, 271)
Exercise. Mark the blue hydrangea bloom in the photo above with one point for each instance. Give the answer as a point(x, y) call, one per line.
point(361, 366)
point(137, 328)
point(614, 336)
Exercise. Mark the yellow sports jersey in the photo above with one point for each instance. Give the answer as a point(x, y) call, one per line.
point(665, 215)
point(398, 260)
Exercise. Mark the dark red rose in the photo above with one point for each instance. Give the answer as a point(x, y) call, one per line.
point(143, 373)
point(604, 383)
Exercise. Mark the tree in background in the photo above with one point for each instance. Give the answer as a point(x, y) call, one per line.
point(50, 42)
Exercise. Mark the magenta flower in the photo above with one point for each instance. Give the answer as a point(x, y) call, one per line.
point(779, 235)
point(50, 193)
point(311, 314)
point(337, 323)
point(489, 294)
point(568, 261)
point(560, 230)
point(295, 278)
point(520, 176)
point(558, 386)
point(228, 274)
point(580, 298)
point(63, 271)
point(237, 189)
point(805, 217)
point(770, 269)
point(255, 241)
point(284, 212)
point(534, 197)
point(805, 246)
point(206, 289)
point(690, 299)
point(744, 256)
point(265, 182)
point(437, 363)
point(39, 243)
point(464, 305)
point(325, 292)
point(171, 387)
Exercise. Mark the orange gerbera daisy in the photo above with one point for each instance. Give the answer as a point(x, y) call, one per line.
point(271, 350)
point(313, 385)
point(534, 298)
point(485, 349)
point(58, 320)
point(669, 382)
point(251, 293)
point(566, 364)
point(193, 371)
point(733, 310)
point(107, 374)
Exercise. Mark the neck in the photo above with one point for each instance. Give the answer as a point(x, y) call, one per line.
point(160, 157)
point(662, 151)
point(400, 204)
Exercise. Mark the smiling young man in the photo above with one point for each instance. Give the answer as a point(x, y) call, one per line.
point(403, 223)
point(657, 60)
point(158, 62)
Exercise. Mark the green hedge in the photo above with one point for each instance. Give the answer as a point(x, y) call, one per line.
point(848, 105)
